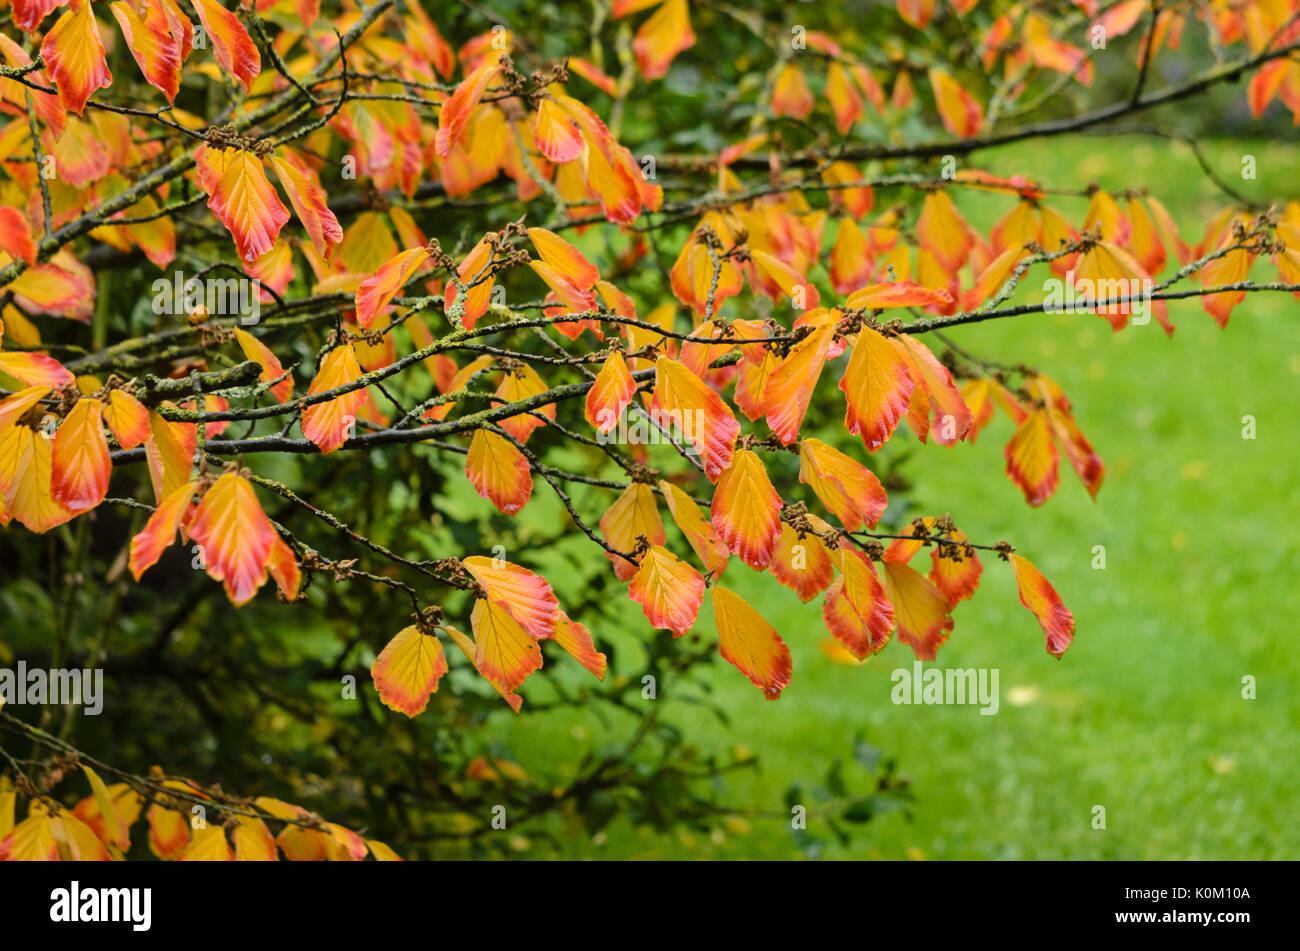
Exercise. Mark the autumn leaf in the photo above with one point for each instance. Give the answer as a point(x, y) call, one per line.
point(505, 653)
point(160, 530)
point(272, 371)
point(708, 423)
point(499, 471)
point(332, 422)
point(557, 138)
point(26, 463)
point(1032, 458)
point(849, 489)
point(877, 385)
point(231, 44)
point(747, 511)
point(610, 393)
point(81, 465)
point(521, 383)
point(526, 596)
point(669, 591)
point(378, 289)
point(16, 235)
point(959, 111)
point(408, 669)
point(310, 203)
point(802, 562)
point(74, 53)
point(790, 387)
point(235, 536)
point(126, 418)
point(634, 514)
point(703, 538)
point(857, 610)
point(749, 643)
point(156, 49)
point(575, 640)
point(455, 112)
point(920, 609)
point(1038, 595)
point(241, 197)
point(952, 418)
point(661, 37)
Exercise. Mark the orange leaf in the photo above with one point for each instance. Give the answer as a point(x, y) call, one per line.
point(956, 579)
point(253, 841)
point(564, 258)
point(170, 451)
point(16, 235)
point(557, 138)
point(700, 534)
point(669, 591)
point(331, 423)
point(661, 37)
point(574, 638)
point(74, 53)
point(527, 596)
point(235, 536)
point(877, 386)
point(470, 650)
point(706, 420)
point(610, 393)
point(896, 294)
point(261, 354)
point(408, 669)
point(850, 490)
point(1038, 595)
point(1032, 458)
point(455, 112)
point(790, 387)
point(35, 369)
point(81, 465)
point(379, 288)
point(802, 562)
point(231, 43)
point(747, 510)
point(747, 641)
point(952, 416)
point(505, 653)
point(1232, 268)
point(499, 471)
point(127, 418)
point(241, 197)
point(791, 95)
point(960, 113)
point(16, 405)
point(25, 464)
point(160, 531)
point(156, 49)
point(520, 383)
point(309, 201)
point(856, 610)
point(943, 232)
point(634, 513)
point(920, 609)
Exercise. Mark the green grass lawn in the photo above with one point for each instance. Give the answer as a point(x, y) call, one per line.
point(1144, 715)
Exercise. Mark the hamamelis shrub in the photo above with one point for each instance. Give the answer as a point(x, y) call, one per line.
point(358, 358)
